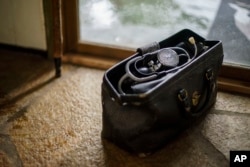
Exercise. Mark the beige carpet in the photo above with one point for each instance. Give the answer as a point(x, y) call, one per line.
point(58, 122)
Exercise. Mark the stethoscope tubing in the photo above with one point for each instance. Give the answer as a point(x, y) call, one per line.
point(129, 74)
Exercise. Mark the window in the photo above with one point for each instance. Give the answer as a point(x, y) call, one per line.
point(132, 23)
point(112, 29)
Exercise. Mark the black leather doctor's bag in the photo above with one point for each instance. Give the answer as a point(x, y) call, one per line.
point(159, 91)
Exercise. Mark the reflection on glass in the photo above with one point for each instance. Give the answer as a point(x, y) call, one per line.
point(133, 23)
point(232, 26)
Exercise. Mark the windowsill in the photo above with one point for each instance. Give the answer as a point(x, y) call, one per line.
point(89, 61)
point(224, 84)
point(234, 86)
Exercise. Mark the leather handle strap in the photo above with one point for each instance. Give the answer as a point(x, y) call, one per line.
point(185, 100)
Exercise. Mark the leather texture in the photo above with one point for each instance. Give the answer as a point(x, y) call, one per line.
point(144, 122)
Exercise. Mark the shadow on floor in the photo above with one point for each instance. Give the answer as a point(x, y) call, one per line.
point(18, 69)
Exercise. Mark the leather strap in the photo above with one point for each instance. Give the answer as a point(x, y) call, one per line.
point(185, 99)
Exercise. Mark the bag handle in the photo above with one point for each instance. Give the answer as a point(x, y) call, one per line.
point(185, 100)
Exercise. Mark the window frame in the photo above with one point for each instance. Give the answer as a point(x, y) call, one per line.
point(71, 33)
point(232, 78)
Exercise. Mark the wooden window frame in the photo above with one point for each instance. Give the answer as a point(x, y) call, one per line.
point(232, 78)
point(88, 54)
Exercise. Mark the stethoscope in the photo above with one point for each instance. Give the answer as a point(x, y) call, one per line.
point(159, 63)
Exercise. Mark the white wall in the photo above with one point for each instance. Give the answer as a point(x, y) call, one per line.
point(22, 23)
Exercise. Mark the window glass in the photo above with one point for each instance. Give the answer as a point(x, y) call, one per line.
point(133, 23)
